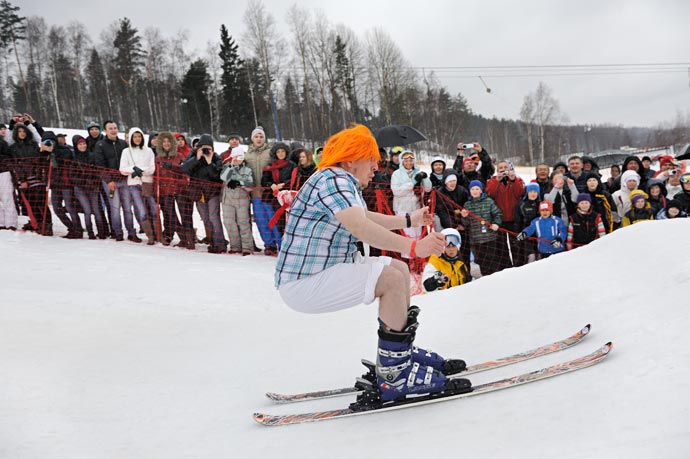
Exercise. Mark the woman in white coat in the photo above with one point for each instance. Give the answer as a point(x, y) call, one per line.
point(138, 164)
point(404, 182)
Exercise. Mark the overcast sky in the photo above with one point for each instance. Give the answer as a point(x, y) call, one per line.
point(474, 33)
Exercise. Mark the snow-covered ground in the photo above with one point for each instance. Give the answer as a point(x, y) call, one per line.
point(117, 350)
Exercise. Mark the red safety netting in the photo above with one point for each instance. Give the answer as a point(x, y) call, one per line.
point(174, 209)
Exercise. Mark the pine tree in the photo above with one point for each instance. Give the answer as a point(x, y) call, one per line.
point(236, 106)
point(12, 30)
point(260, 101)
point(128, 61)
point(98, 105)
point(195, 87)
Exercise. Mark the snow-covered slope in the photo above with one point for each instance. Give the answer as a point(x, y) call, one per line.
point(116, 350)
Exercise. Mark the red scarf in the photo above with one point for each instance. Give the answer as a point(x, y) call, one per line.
point(275, 168)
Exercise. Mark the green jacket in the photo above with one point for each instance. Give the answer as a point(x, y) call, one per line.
point(482, 209)
point(257, 159)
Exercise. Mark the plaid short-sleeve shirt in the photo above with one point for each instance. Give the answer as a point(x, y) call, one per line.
point(314, 239)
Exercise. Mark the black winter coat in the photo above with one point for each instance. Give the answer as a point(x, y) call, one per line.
point(447, 202)
point(584, 227)
point(107, 154)
point(205, 177)
point(526, 211)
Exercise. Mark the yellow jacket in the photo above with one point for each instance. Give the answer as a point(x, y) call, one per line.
point(456, 271)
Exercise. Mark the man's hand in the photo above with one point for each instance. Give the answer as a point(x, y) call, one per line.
point(520, 236)
point(556, 243)
point(434, 244)
point(421, 217)
point(570, 181)
point(199, 154)
point(477, 147)
point(111, 186)
point(494, 226)
point(511, 175)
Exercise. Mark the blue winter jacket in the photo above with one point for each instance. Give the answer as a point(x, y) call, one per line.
point(547, 229)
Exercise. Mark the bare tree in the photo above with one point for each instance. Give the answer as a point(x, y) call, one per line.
point(214, 70)
point(263, 38)
point(79, 41)
point(386, 69)
point(527, 117)
point(545, 111)
point(299, 21)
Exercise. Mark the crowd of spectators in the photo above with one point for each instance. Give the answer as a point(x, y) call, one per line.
point(490, 216)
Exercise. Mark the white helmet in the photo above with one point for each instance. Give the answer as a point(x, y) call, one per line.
point(452, 236)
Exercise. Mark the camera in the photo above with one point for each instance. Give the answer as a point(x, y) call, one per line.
point(206, 151)
point(504, 173)
point(467, 146)
point(672, 172)
point(48, 142)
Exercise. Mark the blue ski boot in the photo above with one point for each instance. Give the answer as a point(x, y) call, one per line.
point(397, 375)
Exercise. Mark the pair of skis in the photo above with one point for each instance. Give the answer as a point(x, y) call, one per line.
point(554, 370)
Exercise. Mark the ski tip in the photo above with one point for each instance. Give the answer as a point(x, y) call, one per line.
point(586, 329)
point(275, 397)
point(607, 347)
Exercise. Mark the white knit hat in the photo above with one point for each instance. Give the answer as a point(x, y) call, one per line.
point(258, 130)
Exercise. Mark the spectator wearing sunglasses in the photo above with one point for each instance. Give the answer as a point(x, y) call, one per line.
point(406, 182)
point(446, 270)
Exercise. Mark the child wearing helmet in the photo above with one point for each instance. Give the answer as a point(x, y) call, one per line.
point(446, 270)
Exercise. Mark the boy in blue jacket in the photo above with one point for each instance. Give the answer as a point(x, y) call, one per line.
point(549, 230)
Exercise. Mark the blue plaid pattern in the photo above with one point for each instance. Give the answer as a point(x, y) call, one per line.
point(314, 239)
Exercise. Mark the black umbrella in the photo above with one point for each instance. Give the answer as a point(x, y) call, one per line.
point(684, 152)
point(397, 134)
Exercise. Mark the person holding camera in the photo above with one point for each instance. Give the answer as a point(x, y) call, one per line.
point(238, 178)
point(405, 182)
point(447, 270)
point(203, 166)
point(108, 153)
point(8, 211)
point(683, 197)
point(507, 190)
point(32, 175)
point(481, 168)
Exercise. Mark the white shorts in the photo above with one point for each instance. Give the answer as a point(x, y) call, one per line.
point(338, 287)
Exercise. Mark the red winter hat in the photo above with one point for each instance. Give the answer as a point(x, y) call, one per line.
point(665, 160)
point(546, 205)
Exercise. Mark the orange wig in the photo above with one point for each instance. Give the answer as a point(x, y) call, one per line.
point(352, 144)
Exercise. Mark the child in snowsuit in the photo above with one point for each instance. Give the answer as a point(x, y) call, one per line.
point(448, 269)
point(238, 177)
point(549, 229)
point(640, 210)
